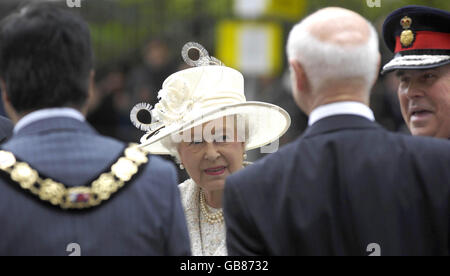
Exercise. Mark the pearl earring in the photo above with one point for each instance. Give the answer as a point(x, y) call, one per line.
point(181, 167)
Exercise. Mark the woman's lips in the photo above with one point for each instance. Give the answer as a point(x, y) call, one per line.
point(215, 171)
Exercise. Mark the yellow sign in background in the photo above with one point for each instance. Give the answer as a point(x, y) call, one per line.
point(287, 9)
point(250, 47)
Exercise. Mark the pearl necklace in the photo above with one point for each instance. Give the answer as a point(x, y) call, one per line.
point(211, 218)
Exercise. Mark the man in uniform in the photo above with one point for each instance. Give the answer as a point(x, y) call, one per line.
point(420, 39)
point(65, 189)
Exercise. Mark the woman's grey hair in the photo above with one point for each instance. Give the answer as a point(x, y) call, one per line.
point(172, 144)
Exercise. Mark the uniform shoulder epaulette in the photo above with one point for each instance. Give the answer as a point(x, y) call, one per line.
point(78, 197)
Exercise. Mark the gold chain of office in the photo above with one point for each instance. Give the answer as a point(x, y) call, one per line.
point(79, 197)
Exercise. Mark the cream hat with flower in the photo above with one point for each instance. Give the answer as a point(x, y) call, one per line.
point(194, 96)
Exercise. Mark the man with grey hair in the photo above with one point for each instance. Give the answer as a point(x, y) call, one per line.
point(346, 186)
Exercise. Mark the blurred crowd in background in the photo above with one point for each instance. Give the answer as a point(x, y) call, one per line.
point(138, 43)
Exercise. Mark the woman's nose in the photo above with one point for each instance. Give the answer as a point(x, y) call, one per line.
point(211, 152)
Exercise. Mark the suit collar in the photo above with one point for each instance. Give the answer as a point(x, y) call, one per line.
point(339, 122)
point(45, 113)
point(55, 124)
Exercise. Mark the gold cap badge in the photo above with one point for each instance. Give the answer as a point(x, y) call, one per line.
point(407, 36)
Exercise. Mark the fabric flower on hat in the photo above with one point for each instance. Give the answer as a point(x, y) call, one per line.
point(176, 100)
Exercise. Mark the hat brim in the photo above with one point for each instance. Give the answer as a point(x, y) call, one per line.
point(266, 122)
point(412, 62)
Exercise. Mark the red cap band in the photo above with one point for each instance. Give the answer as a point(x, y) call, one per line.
point(426, 40)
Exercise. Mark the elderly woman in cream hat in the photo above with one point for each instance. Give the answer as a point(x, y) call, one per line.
point(204, 121)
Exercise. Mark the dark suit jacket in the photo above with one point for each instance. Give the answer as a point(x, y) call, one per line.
point(144, 218)
point(345, 184)
point(6, 129)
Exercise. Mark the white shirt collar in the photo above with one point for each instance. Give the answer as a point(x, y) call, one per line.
point(47, 113)
point(339, 108)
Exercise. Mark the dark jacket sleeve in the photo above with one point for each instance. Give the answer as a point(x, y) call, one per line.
point(177, 240)
point(242, 235)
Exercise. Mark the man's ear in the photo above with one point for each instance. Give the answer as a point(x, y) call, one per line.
point(5, 97)
point(91, 100)
point(7, 103)
point(301, 81)
point(91, 83)
point(379, 61)
point(377, 73)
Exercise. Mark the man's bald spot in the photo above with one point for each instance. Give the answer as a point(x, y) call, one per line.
point(338, 26)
